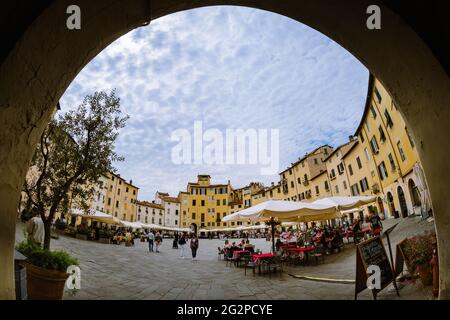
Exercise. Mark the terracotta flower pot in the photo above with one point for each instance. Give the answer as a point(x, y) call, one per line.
point(45, 284)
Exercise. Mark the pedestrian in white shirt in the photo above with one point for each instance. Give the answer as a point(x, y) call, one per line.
point(35, 229)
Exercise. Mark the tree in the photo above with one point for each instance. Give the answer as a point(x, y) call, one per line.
point(75, 150)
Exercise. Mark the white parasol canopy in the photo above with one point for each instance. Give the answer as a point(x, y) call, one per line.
point(281, 210)
point(345, 202)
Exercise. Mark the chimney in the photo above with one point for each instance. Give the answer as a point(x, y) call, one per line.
point(350, 138)
point(131, 181)
point(272, 184)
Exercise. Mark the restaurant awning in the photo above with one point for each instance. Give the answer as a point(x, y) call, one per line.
point(96, 216)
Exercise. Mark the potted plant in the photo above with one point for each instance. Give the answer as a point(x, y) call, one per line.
point(419, 253)
point(46, 271)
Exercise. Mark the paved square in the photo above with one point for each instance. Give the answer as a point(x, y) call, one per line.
point(119, 272)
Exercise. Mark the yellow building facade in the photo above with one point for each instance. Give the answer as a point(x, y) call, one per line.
point(121, 198)
point(207, 203)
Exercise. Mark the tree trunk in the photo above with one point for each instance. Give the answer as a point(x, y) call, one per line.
point(47, 235)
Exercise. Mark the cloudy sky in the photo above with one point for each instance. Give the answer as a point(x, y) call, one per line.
point(230, 68)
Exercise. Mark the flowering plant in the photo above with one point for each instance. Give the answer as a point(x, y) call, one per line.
point(418, 250)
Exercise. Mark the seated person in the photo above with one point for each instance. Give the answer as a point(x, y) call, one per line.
point(278, 244)
point(248, 246)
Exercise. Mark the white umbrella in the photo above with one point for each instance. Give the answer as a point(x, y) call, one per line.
point(97, 216)
point(281, 210)
point(345, 202)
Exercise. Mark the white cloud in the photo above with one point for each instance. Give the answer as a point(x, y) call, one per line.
point(231, 67)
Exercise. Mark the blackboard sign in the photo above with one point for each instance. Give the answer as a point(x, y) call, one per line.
point(372, 252)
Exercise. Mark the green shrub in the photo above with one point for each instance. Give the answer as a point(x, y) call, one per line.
point(53, 260)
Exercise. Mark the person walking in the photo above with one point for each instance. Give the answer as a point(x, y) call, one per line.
point(183, 245)
point(194, 246)
point(158, 240)
point(35, 229)
point(175, 241)
point(151, 239)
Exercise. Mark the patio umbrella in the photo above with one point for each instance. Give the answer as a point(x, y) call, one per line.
point(273, 212)
point(345, 202)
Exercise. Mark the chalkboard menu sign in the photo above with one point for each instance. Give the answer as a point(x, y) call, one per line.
point(372, 252)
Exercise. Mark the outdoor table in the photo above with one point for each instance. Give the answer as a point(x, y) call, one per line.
point(237, 253)
point(257, 258)
point(302, 249)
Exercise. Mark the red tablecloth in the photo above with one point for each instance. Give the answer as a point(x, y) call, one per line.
point(258, 257)
point(238, 252)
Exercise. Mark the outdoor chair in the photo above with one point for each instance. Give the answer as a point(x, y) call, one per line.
point(317, 254)
point(231, 259)
point(248, 263)
point(274, 264)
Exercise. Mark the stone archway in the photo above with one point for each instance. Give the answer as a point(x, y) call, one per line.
point(47, 56)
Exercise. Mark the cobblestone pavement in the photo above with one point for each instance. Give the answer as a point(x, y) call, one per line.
point(119, 272)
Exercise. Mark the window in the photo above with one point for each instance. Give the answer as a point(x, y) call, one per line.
point(344, 183)
point(271, 193)
point(110, 188)
point(117, 204)
point(350, 170)
point(361, 136)
point(299, 180)
point(366, 152)
point(336, 189)
point(382, 170)
point(315, 161)
point(290, 171)
point(203, 217)
point(333, 174)
point(374, 145)
point(194, 202)
point(374, 113)
point(327, 187)
point(202, 203)
point(382, 136)
point(317, 189)
point(292, 184)
point(218, 202)
point(358, 161)
point(193, 215)
point(340, 168)
point(389, 122)
point(126, 190)
point(377, 94)
point(391, 160)
point(355, 189)
point(402, 153)
point(364, 185)
point(109, 201)
point(134, 192)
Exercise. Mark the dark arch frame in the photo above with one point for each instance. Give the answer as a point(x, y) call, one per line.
point(34, 79)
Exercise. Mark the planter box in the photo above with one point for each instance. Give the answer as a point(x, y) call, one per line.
point(81, 236)
point(104, 240)
point(128, 244)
